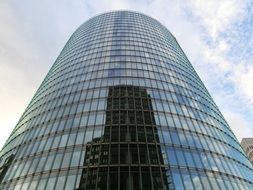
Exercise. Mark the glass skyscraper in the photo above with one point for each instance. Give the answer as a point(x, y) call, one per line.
point(122, 108)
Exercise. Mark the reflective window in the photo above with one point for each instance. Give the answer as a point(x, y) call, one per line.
point(123, 108)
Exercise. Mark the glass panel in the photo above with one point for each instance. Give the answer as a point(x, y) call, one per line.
point(41, 164)
point(75, 159)
point(33, 167)
point(187, 181)
point(197, 160)
point(51, 183)
point(61, 182)
point(102, 176)
point(146, 178)
point(177, 180)
point(172, 157)
point(213, 181)
point(124, 178)
point(42, 184)
point(57, 161)
point(56, 142)
point(114, 154)
point(166, 136)
point(175, 139)
point(143, 154)
point(180, 157)
point(134, 154)
point(196, 181)
point(49, 162)
point(64, 140)
point(80, 138)
point(72, 138)
point(25, 186)
point(88, 135)
point(33, 185)
point(70, 182)
point(113, 180)
point(66, 160)
point(189, 159)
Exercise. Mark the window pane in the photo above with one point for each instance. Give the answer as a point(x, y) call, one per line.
point(178, 184)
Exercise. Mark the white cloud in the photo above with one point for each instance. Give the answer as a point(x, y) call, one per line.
point(29, 43)
point(229, 76)
point(239, 124)
point(243, 78)
point(216, 16)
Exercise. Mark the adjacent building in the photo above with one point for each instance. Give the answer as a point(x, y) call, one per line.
point(123, 108)
point(247, 145)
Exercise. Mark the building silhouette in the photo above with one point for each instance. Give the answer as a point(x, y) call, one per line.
point(126, 131)
point(123, 108)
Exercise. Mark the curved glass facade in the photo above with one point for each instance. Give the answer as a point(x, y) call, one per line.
point(123, 108)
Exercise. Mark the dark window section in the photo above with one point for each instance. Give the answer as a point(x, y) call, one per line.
point(125, 126)
point(6, 166)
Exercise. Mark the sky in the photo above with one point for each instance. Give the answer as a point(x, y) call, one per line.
point(216, 36)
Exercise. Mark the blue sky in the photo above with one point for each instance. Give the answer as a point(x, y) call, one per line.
point(216, 35)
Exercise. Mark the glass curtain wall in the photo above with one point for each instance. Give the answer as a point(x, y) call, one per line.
point(123, 108)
